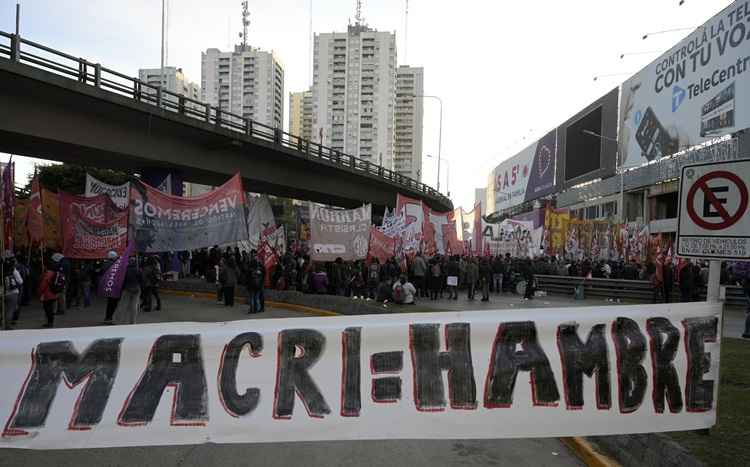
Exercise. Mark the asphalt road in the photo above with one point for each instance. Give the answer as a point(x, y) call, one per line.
point(412, 453)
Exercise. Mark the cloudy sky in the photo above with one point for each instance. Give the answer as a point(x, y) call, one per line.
point(507, 71)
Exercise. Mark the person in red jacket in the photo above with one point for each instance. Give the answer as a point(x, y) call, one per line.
point(47, 296)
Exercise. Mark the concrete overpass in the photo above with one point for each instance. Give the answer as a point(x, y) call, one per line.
point(63, 108)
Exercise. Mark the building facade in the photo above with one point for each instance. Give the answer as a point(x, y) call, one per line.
point(300, 114)
point(407, 153)
point(247, 82)
point(174, 80)
point(354, 92)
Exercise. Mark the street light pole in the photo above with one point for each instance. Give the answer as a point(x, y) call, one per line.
point(447, 172)
point(620, 167)
point(440, 136)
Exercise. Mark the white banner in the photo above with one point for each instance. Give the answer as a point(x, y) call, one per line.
point(509, 236)
point(120, 194)
point(481, 374)
point(259, 218)
point(692, 93)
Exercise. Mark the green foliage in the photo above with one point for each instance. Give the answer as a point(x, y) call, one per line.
point(728, 441)
point(72, 178)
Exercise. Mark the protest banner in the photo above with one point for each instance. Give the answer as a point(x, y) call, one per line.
point(413, 213)
point(35, 218)
point(382, 246)
point(259, 218)
point(51, 217)
point(163, 222)
point(110, 284)
point(339, 233)
point(509, 374)
point(20, 218)
point(92, 227)
point(508, 237)
point(120, 194)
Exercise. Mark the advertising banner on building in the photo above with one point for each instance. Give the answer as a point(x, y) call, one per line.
point(163, 222)
point(120, 194)
point(340, 233)
point(692, 93)
point(92, 227)
point(526, 176)
point(613, 371)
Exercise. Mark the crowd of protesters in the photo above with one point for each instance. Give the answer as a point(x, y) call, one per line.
point(61, 283)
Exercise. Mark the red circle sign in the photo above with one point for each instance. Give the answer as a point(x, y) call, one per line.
point(727, 220)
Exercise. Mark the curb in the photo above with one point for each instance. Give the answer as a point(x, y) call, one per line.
point(287, 306)
point(585, 451)
point(578, 446)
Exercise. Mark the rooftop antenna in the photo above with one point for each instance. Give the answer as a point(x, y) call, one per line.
point(358, 16)
point(245, 24)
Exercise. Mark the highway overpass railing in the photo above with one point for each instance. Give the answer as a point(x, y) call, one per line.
point(27, 52)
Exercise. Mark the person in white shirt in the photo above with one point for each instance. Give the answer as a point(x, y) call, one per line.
point(404, 291)
point(11, 285)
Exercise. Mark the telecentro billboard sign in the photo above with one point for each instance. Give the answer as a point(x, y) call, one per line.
point(696, 91)
point(528, 175)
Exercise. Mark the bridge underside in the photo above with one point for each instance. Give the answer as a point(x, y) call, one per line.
point(52, 117)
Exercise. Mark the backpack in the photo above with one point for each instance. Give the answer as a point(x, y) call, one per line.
point(398, 294)
point(58, 283)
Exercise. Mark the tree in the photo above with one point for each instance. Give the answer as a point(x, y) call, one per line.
point(71, 178)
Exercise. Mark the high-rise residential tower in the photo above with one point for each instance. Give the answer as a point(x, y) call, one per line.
point(354, 92)
point(407, 156)
point(247, 82)
point(300, 114)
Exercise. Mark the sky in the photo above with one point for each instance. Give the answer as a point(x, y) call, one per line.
point(507, 72)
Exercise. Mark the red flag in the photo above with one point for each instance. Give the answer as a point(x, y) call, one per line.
point(8, 204)
point(34, 222)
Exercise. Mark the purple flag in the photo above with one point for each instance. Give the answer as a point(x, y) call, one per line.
point(110, 285)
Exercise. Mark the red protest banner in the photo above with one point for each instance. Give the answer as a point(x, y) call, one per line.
point(382, 246)
point(92, 226)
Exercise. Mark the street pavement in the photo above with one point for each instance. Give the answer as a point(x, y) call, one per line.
point(412, 453)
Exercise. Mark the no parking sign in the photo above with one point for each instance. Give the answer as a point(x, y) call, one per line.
point(714, 221)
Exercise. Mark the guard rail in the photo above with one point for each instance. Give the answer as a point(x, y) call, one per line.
point(83, 71)
point(641, 291)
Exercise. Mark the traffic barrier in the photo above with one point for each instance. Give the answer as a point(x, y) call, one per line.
point(641, 291)
point(364, 377)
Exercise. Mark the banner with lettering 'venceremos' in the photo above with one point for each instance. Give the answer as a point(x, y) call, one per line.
point(483, 374)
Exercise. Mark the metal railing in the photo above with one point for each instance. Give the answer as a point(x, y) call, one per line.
point(30, 53)
point(638, 291)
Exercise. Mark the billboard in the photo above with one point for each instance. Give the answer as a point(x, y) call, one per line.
point(528, 175)
point(581, 154)
point(691, 93)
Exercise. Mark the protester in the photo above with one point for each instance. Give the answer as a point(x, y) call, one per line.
point(497, 274)
point(12, 284)
point(112, 302)
point(373, 278)
point(255, 279)
point(668, 282)
point(436, 279)
point(452, 273)
point(485, 277)
point(419, 271)
point(320, 281)
point(404, 291)
point(528, 275)
point(51, 286)
point(130, 299)
point(228, 280)
point(472, 276)
point(151, 284)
